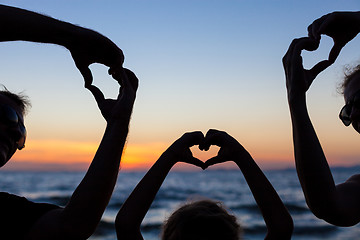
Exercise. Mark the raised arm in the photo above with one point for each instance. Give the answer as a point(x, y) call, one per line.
point(80, 217)
point(338, 205)
point(85, 45)
point(278, 220)
point(342, 27)
point(133, 211)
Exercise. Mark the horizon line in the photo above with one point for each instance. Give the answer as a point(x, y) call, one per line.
point(19, 166)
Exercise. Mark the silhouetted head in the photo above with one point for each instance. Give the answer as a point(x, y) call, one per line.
point(12, 130)
point(201, 220)
point(350, 113)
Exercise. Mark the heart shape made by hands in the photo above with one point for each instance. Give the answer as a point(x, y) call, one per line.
point(204, 155)
point(322, 48)
point(216, 147)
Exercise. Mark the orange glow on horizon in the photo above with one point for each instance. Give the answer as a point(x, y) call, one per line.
point(57, 151)
point(136, 156)
point(142, 156)
point(78, 155)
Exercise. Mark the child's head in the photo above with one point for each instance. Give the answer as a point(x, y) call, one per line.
point(204, 219)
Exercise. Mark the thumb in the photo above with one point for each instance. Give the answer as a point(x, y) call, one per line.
point(212, 161)
point(134, 81)
point(96, 92)
point(319, 67)
point(335, 51)
point(87, 75)
point(197, 162)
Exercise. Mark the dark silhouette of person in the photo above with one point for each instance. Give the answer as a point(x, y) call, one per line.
point(204, 219)
point(86, 46)
point(336, 204)
point(21, 218)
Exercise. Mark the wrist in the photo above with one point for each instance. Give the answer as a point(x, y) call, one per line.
point(118, 127)
point(121, 117)
point(73, 36)
point(242, 157)
point(296, 99)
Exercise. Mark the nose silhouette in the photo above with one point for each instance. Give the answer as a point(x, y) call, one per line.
point(17, 134)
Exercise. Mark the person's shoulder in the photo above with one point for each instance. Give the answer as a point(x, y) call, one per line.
point(8, 196)
point(8, 200)
point(355, 179)
point(12, 202)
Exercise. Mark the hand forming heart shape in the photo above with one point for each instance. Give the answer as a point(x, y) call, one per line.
point(229, 147)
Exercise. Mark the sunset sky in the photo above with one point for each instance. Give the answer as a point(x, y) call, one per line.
point(201, 65)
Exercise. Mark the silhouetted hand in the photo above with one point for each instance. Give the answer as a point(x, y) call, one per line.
point(342, 27)
point(93, 47)
point(230, 149)
point(180, 151)
point(115, 109)
point(298, 79)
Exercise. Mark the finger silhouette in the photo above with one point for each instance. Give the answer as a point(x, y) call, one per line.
point(126, 78)
point(213, 161)
point(197, 162)
point(181, 148)
point(293, 54)
point(304, 43)
point(120, 76)
point(115, 67)
point(313, 30)
point(335, 51)
point(98, 95)
point(192, 138)
point(312, 33)
point(318, 27)
point(211, 138)
point(319, 67)
point(134, 81)
point(86, 73)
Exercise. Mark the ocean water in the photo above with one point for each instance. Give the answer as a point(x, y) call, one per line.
point(223, 185)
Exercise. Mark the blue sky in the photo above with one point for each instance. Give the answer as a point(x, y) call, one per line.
point(201, 65)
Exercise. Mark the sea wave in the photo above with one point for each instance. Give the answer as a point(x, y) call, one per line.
point(229, 187)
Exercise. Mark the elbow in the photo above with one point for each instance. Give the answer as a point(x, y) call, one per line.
point(120, 223)
point(124, 225)
point(281, 229)
point(284, 234)
point(76, 227)
point(120, 227)
point(126, 229)
point(334, 215)
point(338, 219)
point(322, 208)
point(78, 231)
point(320, 212)
point(288, 230)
